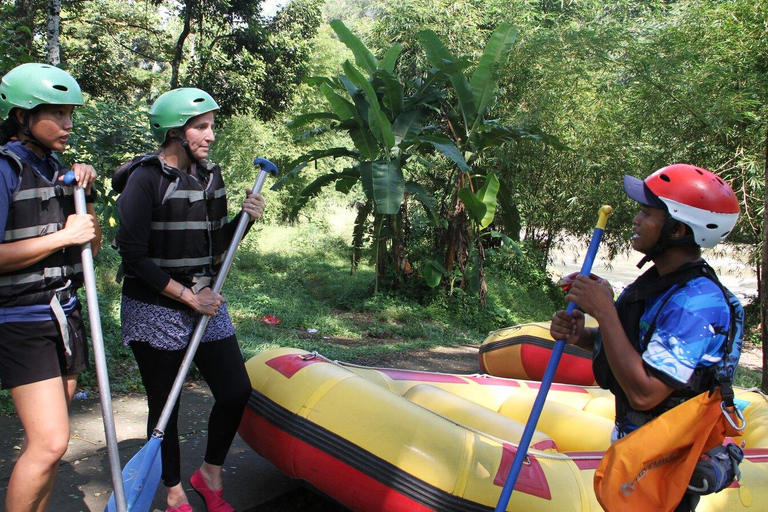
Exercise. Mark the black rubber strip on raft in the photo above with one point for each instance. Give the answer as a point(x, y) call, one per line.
point(360, 459)
point(532, 340)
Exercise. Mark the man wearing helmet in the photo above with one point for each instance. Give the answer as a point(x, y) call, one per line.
point(662, 340)
point(173, 235)
point(43, 343)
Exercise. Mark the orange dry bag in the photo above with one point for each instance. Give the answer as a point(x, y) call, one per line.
point(649, 469)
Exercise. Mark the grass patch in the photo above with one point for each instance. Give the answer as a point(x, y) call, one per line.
point(747, 378)
point(301, 275)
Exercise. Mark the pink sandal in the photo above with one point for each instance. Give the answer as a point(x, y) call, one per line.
point(184, 507)
point(214, 500)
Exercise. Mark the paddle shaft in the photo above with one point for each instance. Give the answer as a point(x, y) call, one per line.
point(549, 373)
point(99, 357)
point(202, 323)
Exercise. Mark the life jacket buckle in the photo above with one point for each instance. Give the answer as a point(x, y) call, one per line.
point(738, 413)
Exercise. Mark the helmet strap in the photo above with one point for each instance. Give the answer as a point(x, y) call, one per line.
point(184, 143)
point(666, 241)
point(26, 130)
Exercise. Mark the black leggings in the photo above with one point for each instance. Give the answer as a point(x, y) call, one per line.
point(222, 367)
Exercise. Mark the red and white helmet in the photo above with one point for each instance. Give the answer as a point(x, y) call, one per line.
point(691, 195)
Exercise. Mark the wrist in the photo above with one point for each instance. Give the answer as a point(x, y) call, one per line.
point(60, 240)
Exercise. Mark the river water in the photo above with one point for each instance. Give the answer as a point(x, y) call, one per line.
point(729, 261)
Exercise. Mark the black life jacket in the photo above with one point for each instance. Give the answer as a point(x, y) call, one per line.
point(630, 308)
point(186, 239)
point(39, 207)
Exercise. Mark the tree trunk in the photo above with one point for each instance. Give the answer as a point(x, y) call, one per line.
point(763, 282)
point(358, 233)
point(482, 285)
point(179, 52)
point(457, 248)
point(53, 30)
point(26, 13)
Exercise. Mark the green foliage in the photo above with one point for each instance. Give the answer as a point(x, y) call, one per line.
point(387, 126)
point(386, 119)
point(297, 273)
point(250, 64)
point(383, 125)
point(15, 35)
point(112, 47)
point(132, 52)
point(752, 322)
point(105, 135)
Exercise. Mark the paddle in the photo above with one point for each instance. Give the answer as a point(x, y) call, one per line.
point(94, 319)
point(142, 473)
point(549, 373)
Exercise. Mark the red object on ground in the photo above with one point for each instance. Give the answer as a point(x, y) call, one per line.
point(270, 320)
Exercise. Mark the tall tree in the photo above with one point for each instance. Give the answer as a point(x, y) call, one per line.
point(118, 50)
point(248, 62)
point(54, 25)
point(18, 28)
point(395, 131)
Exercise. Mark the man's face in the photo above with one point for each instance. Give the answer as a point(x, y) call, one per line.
point(647, 226)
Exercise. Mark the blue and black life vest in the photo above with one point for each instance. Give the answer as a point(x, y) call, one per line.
point(630, 308)
point(186, 239)
point(39, 207)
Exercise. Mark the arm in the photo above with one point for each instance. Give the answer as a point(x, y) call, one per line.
point(78, 230)
point(571, 329)
point(205, 302)
point(253, 206)
point(135, 210)
point(643, 390)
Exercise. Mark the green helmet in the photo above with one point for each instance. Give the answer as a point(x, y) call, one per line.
point(174, 108)
point(30, 85)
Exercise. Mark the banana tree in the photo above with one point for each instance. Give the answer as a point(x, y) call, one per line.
point(386, 119)
point(471, 132)
point(391, 123)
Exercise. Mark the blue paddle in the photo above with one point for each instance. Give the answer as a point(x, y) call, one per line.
point(549, 373)
point(99, 357)
point(142, 473)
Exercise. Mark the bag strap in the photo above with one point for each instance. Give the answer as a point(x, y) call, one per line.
point(710, 376)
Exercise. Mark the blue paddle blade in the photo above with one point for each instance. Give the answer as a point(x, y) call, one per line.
point(140, 478)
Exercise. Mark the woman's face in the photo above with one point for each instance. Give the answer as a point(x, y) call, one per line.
point(52, 125)
point(199, 133)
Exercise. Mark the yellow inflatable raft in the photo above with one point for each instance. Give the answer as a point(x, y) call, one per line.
point(396, 440)
point(523, 352)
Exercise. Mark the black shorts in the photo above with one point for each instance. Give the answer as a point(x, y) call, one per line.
point(34, 351)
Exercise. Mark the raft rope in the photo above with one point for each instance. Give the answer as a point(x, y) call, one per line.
point(539, 454)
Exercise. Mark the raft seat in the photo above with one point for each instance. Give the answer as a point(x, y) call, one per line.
point(475, 416)
point(572, 428)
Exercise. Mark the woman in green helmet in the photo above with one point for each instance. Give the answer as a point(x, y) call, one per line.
point(42, 339)
point(173, 234)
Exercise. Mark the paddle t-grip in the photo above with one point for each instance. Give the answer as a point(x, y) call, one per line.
point(602, 216)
